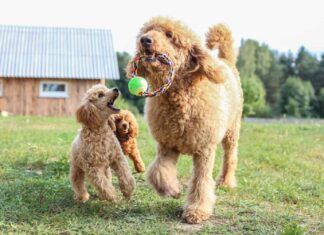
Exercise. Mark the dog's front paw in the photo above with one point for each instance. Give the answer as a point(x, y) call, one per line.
point(228, 182)
point(169, 191)
point(140, 167)
point(194, 216)
point(82, 197)
point(128, 189)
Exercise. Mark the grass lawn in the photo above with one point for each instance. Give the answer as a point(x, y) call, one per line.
point(280, 185)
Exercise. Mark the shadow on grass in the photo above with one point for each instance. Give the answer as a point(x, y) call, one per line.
point(36, 194)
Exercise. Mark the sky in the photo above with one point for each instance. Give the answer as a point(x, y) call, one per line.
point(284, 25)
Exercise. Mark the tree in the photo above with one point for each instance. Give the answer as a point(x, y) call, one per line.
point(272, 80)
point(296, 97)
point(263, 61)
point(254, 96)
point(318, 80)
point(320, 103)
point(306, 65)
point(246, 61)
point(288, 66)
point(259, 61)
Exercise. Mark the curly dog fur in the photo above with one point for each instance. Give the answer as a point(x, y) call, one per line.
point(125, 128)
point(95, 150)
point(201, 109)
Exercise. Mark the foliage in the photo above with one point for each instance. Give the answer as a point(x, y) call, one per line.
point(280, 184)
point(273, 69)
point(296, 97)
point(254, 95)
point(257, 60)
point(306, 64)
point(320, 103)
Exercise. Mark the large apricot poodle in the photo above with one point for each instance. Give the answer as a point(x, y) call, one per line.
point(126, 129)
point(96, 149)
point(201, 109)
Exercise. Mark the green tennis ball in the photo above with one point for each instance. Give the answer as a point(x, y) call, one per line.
point(137, 85)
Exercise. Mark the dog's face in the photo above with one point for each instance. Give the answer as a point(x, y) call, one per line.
point(165, 36)
point(97, 106)
point(122, 126)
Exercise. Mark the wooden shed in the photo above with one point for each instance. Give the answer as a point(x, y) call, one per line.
point(45, 71)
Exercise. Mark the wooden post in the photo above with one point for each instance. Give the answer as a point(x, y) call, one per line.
point(102, 81)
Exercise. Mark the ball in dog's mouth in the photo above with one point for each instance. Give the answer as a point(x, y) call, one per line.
point(111, 102)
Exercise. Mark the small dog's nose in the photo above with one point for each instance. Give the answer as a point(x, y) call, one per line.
point(146, 41)
point(115, 90)
point(124, 125)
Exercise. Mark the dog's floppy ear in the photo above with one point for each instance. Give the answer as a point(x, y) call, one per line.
point(89, 115)
point(133, 126)
point(133, 129)
point(201, 62)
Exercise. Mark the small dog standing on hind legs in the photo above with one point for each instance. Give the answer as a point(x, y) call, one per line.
point(125, 128)
point(202, 108)
point(95, 150)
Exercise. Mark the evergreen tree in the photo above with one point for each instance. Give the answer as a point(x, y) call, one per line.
point(288, 66)
point(306, 65)
point(318, 80)
point(320, 103)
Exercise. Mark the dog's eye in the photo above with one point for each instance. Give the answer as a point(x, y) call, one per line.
point(100, 95)
point(169, 34)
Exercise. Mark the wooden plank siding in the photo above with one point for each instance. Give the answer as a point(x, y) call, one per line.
point(21, 97)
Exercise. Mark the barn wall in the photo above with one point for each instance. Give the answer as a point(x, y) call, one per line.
point(21, 97)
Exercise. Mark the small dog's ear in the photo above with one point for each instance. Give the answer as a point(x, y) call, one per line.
point(112, 123)
point(88, 114)
point(201, 62)
point(133, 130)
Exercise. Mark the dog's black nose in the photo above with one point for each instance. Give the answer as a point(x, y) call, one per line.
point(124, 125)
point(115, 90)
point(146, 41)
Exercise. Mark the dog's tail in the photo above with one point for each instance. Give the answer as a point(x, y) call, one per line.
point(220, 37)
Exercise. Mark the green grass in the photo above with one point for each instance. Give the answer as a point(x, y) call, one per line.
point(280, 185)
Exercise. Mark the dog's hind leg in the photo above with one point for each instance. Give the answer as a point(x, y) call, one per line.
point(162, 173)
point(98, 178)
point(230, 145)
point(77, 180)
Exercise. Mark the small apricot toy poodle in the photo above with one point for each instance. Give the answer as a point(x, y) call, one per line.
point(126, 130)
point(96, 149)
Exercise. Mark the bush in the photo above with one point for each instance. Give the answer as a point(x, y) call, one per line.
point(254, 96)
point(296, 97)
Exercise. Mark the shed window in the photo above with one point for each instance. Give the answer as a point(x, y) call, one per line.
point(53, 89)
point(1, 88)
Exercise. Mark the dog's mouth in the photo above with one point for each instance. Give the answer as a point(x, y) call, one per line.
point(150, 55)
point(154, 56)
point(111, 102)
